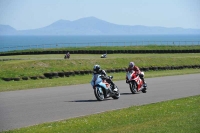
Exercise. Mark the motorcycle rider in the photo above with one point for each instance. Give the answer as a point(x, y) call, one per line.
point(131, 67)
point(67, 55)
point(96, 72)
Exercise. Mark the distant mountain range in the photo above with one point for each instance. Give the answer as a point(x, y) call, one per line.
point(94, 26)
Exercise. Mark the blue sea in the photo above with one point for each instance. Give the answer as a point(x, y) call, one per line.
point(9, 43)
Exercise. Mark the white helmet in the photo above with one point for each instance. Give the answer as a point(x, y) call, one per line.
point(131, 64)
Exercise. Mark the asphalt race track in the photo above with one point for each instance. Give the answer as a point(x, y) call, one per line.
point(29, 107)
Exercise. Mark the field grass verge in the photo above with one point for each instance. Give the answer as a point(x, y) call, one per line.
point(37, 65)
point(173, 116)
point(80, 79)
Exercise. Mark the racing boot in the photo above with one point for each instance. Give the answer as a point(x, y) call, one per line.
point(144, 86)
point(115, 90)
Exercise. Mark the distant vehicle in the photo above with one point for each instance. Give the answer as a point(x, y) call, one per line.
point(103, 55)
point(67, 56)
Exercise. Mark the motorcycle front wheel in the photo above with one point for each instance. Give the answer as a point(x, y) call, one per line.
point(133, 87)
point(99, 94)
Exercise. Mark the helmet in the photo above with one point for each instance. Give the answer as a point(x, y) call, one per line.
point(131, 64)
point(96, 68)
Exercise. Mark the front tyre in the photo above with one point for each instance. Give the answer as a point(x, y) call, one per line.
point(133, 87)
point(98, 92)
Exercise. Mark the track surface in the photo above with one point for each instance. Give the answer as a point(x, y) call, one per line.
point(29, 107)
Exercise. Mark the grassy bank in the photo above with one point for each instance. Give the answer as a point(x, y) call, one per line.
point(37, 65)
point(174, 116)
point(80, 79)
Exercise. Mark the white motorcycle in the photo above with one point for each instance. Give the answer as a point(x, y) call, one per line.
point(103, 55)
point(101, 92)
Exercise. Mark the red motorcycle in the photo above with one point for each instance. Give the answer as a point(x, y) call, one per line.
point(136, 84)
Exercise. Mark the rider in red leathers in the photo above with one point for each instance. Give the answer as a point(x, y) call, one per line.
point(132, 67)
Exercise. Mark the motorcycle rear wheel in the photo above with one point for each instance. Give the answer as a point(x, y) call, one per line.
point(117, 94)
point(144, 90)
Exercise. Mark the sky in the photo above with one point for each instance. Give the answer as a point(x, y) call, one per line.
point(32, 14)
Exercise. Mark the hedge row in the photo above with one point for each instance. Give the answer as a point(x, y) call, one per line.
point(100, 52)
point(51, 75)
point(9, 59)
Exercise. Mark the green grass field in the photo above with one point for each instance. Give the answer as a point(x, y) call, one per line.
point(174, 116)
point(36, 65)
